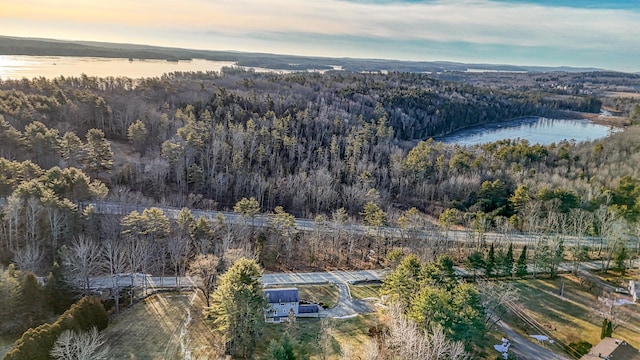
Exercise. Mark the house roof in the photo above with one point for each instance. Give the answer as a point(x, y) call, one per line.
point(610, 348)
point(281, 295)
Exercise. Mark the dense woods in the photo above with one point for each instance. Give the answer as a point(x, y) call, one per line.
point(336, 147)
point(305, 143)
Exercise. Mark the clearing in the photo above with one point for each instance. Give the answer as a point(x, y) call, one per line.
point(574, 316)
point(365, 291)
point(163, 326)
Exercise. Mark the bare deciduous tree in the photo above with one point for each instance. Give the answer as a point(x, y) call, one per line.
point(29, 257)
point(496, 298)
point(407, 341)
point(205, 269)
point(81, 260)
point(178, 249)
point(115, 261)
point(325, 336)
point(85, 345)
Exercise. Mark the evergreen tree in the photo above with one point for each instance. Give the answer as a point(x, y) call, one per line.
point(621, 256)
point(32, 306)
point(137, 135)
point(521, 265)
point(237, 307)
point(403, 283)
point(281, 350)
point(99, 157)
point(474, 263)
point(71, 149)
point(607, 329)
point(490, 262)
point(506, 262)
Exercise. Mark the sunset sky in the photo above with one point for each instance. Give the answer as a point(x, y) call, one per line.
point(603, 34)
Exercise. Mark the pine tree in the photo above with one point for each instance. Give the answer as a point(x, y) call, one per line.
point(474, 263)
point(99, 155)
point(404, 283)
point(237, 307)
point(521, 265)
point(506, 263)
point(280, 350)
point(607, 329)
point(490, 262)
point(137, 134)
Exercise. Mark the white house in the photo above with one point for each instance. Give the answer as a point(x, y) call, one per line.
point(281, 301)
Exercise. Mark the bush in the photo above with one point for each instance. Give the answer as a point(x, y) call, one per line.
point(36, 343)
point(581, 347)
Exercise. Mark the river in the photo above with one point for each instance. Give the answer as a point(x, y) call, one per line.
point(536, 130)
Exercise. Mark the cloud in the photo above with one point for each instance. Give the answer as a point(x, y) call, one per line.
point(480, 22)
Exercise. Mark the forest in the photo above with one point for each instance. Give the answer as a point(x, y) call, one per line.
point(333, 145)
point(336, 147)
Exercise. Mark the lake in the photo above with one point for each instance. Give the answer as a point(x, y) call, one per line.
point(24, 66)
point(18, 66)
point(536, 130)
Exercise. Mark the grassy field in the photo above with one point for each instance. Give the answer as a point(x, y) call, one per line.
point(348, 335)
point(365, 291)
point(576, 315)
point(153, 329)
point(325, 294)
point(160, 328)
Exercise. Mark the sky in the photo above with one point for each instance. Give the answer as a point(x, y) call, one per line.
point(603, 34)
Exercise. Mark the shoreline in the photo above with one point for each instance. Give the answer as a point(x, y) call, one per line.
point(616, 121)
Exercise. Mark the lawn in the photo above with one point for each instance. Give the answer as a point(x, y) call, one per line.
point(365, 291)
point(164, 326)
point(348, 335)
point(318, 294)
point(575, 315)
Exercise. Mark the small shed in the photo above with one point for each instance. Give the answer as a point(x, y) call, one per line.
point(281, 301)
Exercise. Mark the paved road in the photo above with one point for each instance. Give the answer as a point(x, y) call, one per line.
point(293, 278)
point(334, 277)
point(310, 225)
point(527, 348)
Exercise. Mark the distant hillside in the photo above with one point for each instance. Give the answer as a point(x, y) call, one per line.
point(49, 47)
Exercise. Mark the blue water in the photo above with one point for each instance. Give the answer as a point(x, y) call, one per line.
point(535, 130)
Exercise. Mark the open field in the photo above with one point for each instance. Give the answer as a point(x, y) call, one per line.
point(365, 291)
point(164, 326)
point(155, 329)
point(318, 294)
point(574, 316)
point(347, 335)
point(622, 94)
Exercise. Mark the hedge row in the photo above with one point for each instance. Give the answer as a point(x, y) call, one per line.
point(36, 343)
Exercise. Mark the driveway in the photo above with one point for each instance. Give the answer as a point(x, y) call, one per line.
point(347, 306)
